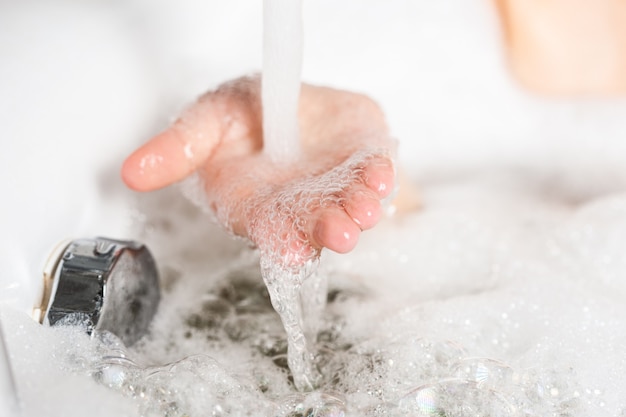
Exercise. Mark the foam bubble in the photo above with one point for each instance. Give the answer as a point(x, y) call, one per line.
point(532, 337)
point(277, 217)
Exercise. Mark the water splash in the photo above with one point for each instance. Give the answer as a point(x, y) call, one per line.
point(284, 286)
point(377, 375)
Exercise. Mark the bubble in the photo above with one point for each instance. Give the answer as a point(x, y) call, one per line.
point(187, 387)
point(426, 402)
point(276, 217)
point(112, 376)
point(316, 404)
point(423, 401)
point(455, 397)
point(487, 373)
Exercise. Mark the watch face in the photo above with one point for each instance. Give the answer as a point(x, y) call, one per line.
point(103, 285)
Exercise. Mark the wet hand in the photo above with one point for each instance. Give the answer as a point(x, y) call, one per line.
point(323, 198)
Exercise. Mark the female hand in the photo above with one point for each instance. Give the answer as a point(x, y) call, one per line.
point(324, 197)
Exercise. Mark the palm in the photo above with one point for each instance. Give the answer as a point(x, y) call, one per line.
point(323, 198)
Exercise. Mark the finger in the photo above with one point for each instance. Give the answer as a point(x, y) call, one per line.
point(335, 230)
point(379, 176)
point(175, 153)
point(363, 207)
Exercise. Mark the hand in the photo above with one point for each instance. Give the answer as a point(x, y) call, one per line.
point(566, 48)
point(291, 210)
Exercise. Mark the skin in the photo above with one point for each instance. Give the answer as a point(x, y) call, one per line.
point(220, 137)
point(560, 48)
point(566, 48)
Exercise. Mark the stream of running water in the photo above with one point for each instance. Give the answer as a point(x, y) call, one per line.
point(282, 63)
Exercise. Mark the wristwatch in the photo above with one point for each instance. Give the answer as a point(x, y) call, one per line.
point(102, 284)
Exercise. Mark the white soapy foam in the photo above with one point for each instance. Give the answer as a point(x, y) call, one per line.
point(504, 294)
point(9, 404)
point(509, 328)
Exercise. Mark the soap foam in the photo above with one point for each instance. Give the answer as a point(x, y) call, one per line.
point(514, 285)
point(501, 320)
point(278, 216)
point(277, 205)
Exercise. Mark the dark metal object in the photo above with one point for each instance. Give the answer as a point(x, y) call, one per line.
point(104, 284)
